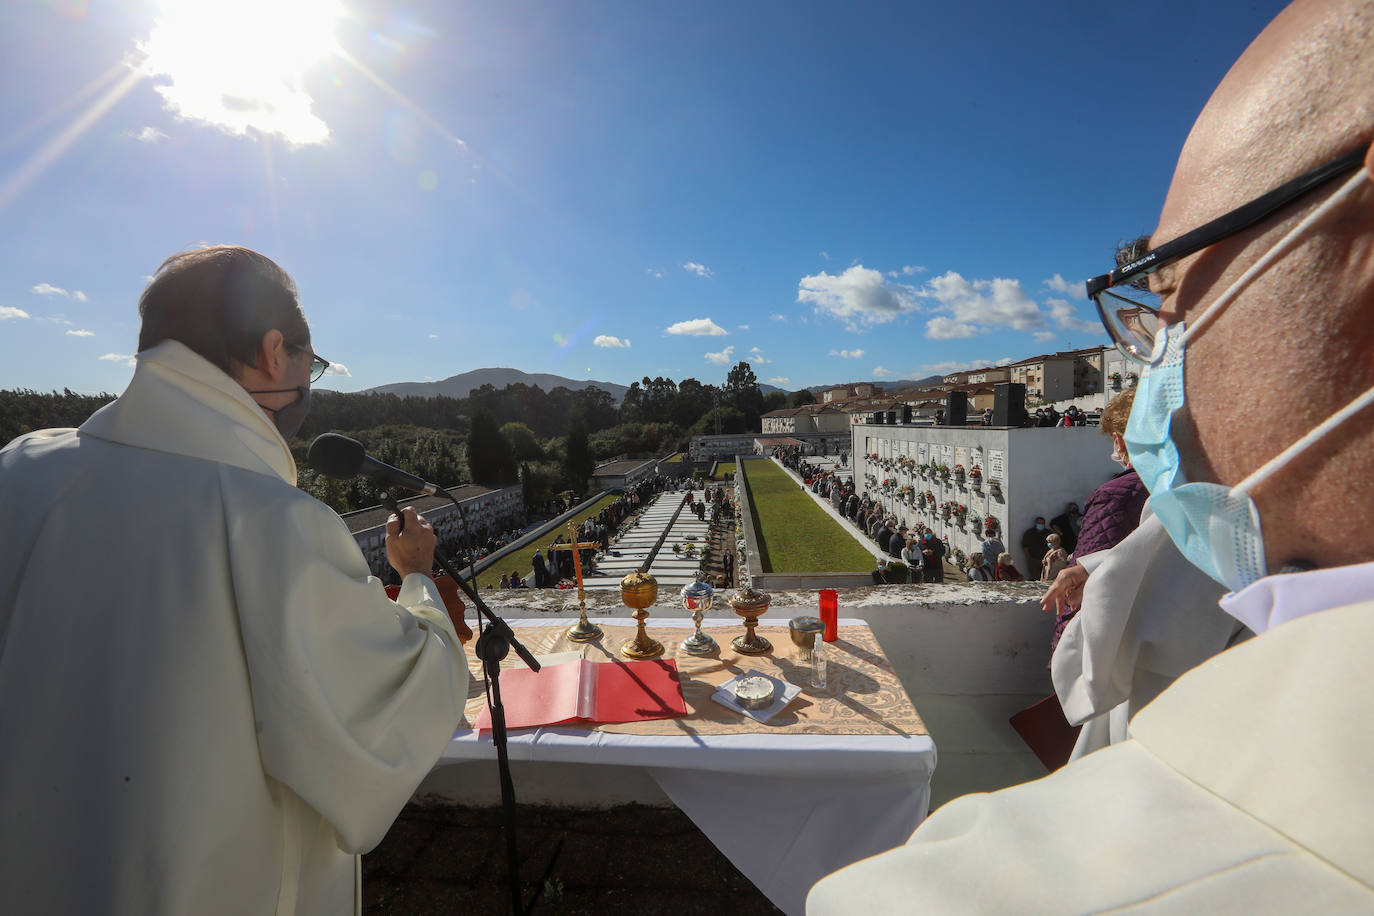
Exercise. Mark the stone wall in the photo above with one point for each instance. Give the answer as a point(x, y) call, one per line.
point(1038, 471)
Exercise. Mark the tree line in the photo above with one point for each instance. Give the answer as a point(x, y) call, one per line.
point(549, 441)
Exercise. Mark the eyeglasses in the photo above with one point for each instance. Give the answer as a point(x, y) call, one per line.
point(317, 363)
point(1131, 315)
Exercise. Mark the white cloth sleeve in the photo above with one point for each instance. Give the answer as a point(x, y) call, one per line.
point(355, 696)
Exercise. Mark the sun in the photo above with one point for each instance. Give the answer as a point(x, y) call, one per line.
point(239, 65)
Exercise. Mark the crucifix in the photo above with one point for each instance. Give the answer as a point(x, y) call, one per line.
point(584, 630)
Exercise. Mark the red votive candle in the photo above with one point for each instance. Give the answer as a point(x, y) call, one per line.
point(830, 614)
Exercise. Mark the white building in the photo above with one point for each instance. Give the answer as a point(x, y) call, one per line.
point(485, 510)
point(1022, 473)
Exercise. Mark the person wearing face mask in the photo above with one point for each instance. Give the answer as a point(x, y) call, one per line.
point(1033, 544)
point(210, 705)
point(1244, 785)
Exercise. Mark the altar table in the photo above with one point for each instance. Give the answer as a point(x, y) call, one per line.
point(842, 773)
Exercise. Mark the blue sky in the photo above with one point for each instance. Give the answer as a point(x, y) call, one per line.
point(832, 192)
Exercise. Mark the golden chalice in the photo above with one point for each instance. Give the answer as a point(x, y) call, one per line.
point(638, 591)
point(750, 604)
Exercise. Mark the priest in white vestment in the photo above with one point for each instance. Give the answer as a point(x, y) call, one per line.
point(207, 704)
point(1245, 786)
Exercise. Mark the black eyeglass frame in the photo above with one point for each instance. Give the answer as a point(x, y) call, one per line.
point(1223, 227)
point(318, 364)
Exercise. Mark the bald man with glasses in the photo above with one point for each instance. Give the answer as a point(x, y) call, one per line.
point(1244, 787)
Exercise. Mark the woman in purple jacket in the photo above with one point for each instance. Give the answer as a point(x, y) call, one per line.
point(1113, 511)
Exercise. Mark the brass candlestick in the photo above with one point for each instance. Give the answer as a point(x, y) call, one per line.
point(638, 591)
point(750, 604)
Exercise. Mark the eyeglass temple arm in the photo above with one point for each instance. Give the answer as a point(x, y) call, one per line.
point(1228, 224)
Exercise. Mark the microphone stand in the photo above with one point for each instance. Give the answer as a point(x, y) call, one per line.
point(494, 642)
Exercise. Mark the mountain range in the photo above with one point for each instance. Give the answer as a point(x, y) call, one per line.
point(459, 386)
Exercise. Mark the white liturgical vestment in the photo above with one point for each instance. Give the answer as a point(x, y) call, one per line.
point(207, 705)
point(1148, 616)
point(1245, 789)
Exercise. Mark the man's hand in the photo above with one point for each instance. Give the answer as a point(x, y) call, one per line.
point(411, 550)
point(1066, 591)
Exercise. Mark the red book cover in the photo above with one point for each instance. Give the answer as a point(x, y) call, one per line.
point(588, 691)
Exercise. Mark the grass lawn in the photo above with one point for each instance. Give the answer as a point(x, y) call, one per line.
point(523, 559)
point(678, 458)
point(795, 535)
point(724, 470)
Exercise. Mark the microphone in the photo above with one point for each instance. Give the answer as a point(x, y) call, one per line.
point(338, 456)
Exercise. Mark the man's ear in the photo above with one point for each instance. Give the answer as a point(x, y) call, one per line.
point(273, 356)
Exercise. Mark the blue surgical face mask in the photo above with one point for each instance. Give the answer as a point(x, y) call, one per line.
point(1217, 528)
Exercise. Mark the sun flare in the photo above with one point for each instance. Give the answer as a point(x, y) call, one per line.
point(239, 66)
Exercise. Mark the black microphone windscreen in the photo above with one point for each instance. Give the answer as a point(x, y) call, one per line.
point(336, 456)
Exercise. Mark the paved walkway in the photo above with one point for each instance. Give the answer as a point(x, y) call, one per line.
point(629, 551)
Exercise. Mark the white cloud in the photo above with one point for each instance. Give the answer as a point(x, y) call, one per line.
point(1042, 336)
point(776, 317)
point(606, 340)
point(1066, 316)
point(79, 296)
point(1072, 290)
point(858, 296)
point(981, 304)
point(722, 358)
point(697, 327)
point(742, 327)
point(911, 270)
point(701, 270)
point(434, 337)
point(656, 274)
point(8, 312)
point(338, 369)
point(47, 289)
point(124, 359)
point(199, 49)
point(826, 255)
point(848, 354)
point(81, 333)
point(942, 328)
point(148, 135)
point(880, 372)
point(779, 380)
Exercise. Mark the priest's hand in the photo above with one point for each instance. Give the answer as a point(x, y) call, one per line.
point(411, 550)
point(1066, 592)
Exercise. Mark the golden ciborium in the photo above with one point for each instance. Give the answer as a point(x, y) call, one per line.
point(638, 591)
point(750, 604)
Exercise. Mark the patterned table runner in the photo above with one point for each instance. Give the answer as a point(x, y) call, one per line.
point(862, 695)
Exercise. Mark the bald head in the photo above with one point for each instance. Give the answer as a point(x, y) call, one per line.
point(1299, 96)
point(1296, 344)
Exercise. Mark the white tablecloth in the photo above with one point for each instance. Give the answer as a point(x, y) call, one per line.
point(786, 809)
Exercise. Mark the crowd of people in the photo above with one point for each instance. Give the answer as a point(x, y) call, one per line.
point(1041, 417)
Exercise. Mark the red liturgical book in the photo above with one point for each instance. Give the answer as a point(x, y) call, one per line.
point(588, 691)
